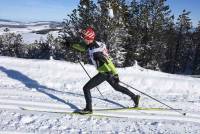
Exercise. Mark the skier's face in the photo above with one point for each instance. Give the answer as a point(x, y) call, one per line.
point(88, 42)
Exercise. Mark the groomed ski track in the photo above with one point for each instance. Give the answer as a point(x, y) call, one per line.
point(53, 108)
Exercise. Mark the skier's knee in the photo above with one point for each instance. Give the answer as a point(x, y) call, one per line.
point(85, 88)
point(118, 89)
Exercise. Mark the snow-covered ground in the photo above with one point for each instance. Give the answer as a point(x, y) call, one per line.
point(37, 96)
point(27, 30)
point(9, 23)
point(29, 37)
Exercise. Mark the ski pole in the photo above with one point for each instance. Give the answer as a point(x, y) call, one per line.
point(90, 78)
point(153, 98)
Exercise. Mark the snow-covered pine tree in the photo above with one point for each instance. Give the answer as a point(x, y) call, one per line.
point(1, 45)
point(134, 33)
point(11, 44)
point(170, 38)
point(196, 58)
point(6, 29)
point(81, 18)
point(154, 15)
point(51, 42)
point(120, 38)
point(148, 20)
point(55, 46)
point(183, 50)
point(111, 27)
point(33, 50)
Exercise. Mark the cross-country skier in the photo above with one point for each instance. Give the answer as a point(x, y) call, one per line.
point(99, 56)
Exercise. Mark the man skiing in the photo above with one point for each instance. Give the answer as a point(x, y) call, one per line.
point(98, 54)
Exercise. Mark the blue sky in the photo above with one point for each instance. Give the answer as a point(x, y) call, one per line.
point(56, 10)
point(177, 7)
point(34, 10)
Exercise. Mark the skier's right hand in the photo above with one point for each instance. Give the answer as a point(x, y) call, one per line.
point(114, 78)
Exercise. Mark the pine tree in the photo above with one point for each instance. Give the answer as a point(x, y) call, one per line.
point(183, 49)
point(110, 28)
point(87, 12)
point(115, 30)
point(6, 29)
point(11, 44)
point(170, 37)
point(1, 45)
point(81, 18)
point(51, 42)
point(134, 33)
point(150, 18)
point(196, 58)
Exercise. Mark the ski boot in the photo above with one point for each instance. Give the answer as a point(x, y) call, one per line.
point(136, 99)
point(85, 111)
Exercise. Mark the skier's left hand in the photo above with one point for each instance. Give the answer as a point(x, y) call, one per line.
point(116, 78)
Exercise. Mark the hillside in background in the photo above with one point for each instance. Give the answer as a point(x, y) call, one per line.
point(30, 31)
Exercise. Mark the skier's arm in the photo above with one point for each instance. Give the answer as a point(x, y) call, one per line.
point(98, 56)
point(79, 46)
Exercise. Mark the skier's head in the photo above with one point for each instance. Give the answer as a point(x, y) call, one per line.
point(88, 35)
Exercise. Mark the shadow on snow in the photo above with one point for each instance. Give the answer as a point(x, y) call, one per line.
point(30, 83)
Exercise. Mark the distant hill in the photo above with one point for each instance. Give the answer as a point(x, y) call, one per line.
point(30, 31)
point(18, 24)
point(9, 21)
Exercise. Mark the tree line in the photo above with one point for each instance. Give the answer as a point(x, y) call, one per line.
point(144, 31)
point(12, 44)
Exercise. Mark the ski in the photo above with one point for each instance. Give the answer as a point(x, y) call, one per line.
point(123, 109)
point(129, 112)
point(136, 108)
point(68, 112)
point(96, 110)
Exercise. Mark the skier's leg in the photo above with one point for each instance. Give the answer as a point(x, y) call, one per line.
point(95, 81)
point(124, 90)
point(121, 89)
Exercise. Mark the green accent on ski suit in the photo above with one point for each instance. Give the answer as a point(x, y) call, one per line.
point(105, 67)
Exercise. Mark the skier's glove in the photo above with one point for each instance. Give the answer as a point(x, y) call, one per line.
point(113, 78)
point(78, 58)
point(116, 78)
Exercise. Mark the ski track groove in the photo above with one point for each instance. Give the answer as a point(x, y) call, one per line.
point(63, 109)
point(49, 105)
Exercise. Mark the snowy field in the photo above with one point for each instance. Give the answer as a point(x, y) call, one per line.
point(27, 30)
point(38, 96)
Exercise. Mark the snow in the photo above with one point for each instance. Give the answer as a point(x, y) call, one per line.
point(28, 29)
point(31, 37)
point(38, 96)
point(110, 12)
point(9, 23)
